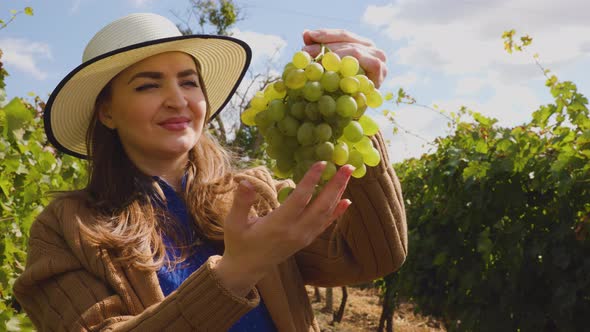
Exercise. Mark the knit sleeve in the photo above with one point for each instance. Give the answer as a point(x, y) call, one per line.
point(369, 240)
point(61, 292)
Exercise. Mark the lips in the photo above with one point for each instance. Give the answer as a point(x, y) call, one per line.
point(175, 123)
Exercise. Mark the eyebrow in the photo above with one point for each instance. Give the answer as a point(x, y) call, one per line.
point(158, 75)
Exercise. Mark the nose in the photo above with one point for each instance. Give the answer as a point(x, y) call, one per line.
point(175, 98)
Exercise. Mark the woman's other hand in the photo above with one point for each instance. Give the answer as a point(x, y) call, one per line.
point(344, 42)
point(253, 245)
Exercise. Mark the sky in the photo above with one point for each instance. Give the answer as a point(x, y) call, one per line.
point(446, 54)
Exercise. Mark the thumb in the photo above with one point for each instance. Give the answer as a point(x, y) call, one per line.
point(244, 198)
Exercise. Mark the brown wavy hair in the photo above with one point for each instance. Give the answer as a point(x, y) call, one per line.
point(126, 201)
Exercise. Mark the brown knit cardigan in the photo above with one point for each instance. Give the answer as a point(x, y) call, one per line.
point(71, 285)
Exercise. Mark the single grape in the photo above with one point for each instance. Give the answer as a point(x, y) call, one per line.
point(280, 174)
point(349, 66)
point(277, 110)
point(371, 157)
point(353, 131)
point(304, 153)
point(295, 79)
point(330, 81)
point(285, 165)
point(288, 126)
point(306, 134)
point(262, 119)
point(331, 61)
point(364, 144)
point(298, 110)
point(365, 84)
point(374, 99)
point(284, 193)
point(329, 171)
point(314, 71)
point(370, 127)
point(361, 104)
point(327, 106)
point(355, 158)
point(323, 132)
point(248, 116)
point(287, 69)
point(290, 143)
point(259, 101)
point(312, 111)
point(294, 93)
point(280, 87)
point(349, 85)
point(274, 136)
point(324, 150)
point(361, 100)
point(270, 93)
point(342, 121)
point(340, 154)
point(312, 91)
point(301, 59)
point(346, 106)
point(360, 171)
point(274, 151)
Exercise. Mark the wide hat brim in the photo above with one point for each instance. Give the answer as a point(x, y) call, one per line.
point(223, 62)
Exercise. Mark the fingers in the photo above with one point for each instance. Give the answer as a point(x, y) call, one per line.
point(370, 58)
point(372, 62)
point(299, 198)
point(326, 36)
point(244, 198)
point(324, 204)
point(352, 49)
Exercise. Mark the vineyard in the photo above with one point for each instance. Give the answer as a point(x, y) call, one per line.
point(498, 218)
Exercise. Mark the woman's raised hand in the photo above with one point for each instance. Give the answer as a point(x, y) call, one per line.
point(344, 42)
point(253, 245)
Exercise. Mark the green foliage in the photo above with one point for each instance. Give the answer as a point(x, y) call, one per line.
point(13, 14)
point(220, 14)
point(499, 221)
point(29, 170)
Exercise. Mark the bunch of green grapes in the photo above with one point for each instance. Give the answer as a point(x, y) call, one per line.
point(316, 111)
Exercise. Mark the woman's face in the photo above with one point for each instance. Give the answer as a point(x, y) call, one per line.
point(157, 107)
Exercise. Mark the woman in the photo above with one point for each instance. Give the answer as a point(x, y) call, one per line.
point(167, 235)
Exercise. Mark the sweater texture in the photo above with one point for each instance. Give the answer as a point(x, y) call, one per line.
point(257, 319)
point(71, 284)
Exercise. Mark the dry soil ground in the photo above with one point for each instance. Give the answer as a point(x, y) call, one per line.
point(363, 311)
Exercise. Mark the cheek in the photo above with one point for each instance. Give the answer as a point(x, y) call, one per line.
point(199, 110)
point(141, 109)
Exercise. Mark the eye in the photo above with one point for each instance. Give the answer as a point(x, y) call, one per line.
point(146, 86)
point(190, 83)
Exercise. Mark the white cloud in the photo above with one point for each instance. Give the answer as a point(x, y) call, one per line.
point(140, 3)
point(406, 79)
point(75, 6)
point(264, 47)
point(470, 85)
point(459, 42)
point(511, 104)
point(458, 37)
point(24, 55)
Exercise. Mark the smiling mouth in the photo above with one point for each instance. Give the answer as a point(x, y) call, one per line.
point(176, 124)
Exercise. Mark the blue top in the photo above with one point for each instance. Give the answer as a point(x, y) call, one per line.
point(258, 319)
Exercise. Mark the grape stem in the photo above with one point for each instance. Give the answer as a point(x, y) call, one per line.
point(323, 50)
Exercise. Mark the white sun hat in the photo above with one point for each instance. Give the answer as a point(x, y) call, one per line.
point(222, 60)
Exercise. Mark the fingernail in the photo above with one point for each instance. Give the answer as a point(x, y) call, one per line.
point(313, 33)
point(320, 165)
point(349, 169)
